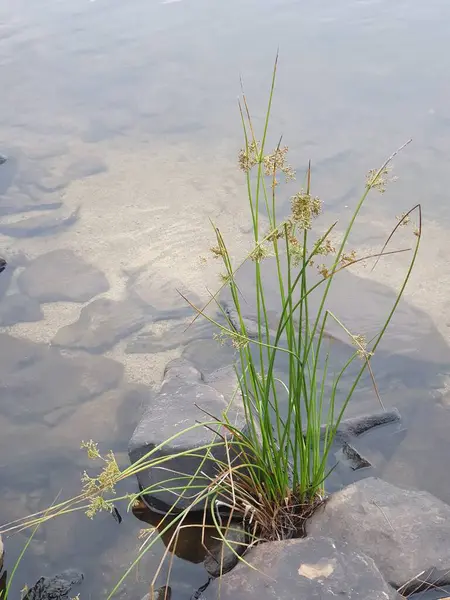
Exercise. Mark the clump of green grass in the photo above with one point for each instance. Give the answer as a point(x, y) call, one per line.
point(277, 466)
point(281, 462)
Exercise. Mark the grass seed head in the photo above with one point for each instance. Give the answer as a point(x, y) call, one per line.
point(378, 180)
point(249, 157)
point(305, 208)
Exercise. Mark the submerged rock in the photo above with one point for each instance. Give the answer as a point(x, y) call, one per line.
point(162, 297)
point(406, 532)
point(356, 426)
point(349, 429)
point(47, 224)
point(181, 401)
point(101, 325)
point(18, 308)
point(54, 588)
point(162, 593)
point(36, 379)
point(61, 275)
point(314, 568)
point(220, 558)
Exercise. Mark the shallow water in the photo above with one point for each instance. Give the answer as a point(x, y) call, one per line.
point(120, 126)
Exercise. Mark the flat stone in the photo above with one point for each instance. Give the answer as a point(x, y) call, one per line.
point(101, 324)
point(314, 568)
point(161, 295)
point(220, 558)
point(406, 532)
point(177, 406)
point(18, 308)
point(177, 335)
point(61, 275)
point(47, 224)
point(36, 379)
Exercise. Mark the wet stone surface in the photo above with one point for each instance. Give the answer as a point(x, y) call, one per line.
point(314, 568)
point(101, 325)
point(406, 532)
point(179, 404)
point(61, 275)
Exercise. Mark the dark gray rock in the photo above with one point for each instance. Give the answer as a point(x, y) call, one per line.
point(406, 532)
point(174, 409)
point(36, 379)
point(353, 458)
point(41, 225)
point(101, 325)
point(18, 308)
point(54, 588)
point(61, 275)
point(356, 426)
point(349, 429)
point(220, 558)
point(314, 568)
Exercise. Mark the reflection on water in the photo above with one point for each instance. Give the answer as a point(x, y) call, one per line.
point(119, 125)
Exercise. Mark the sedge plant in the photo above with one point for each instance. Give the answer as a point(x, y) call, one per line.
point(276, 466)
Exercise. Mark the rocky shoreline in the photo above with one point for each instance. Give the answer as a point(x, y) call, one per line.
point(369, 540)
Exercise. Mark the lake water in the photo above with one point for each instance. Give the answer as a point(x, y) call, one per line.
point(120, 124)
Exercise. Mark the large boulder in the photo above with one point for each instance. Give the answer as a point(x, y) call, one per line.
point(407, 533)
point(183, 399)
point(314, 568)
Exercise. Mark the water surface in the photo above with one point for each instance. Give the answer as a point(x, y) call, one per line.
point(120, 124)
